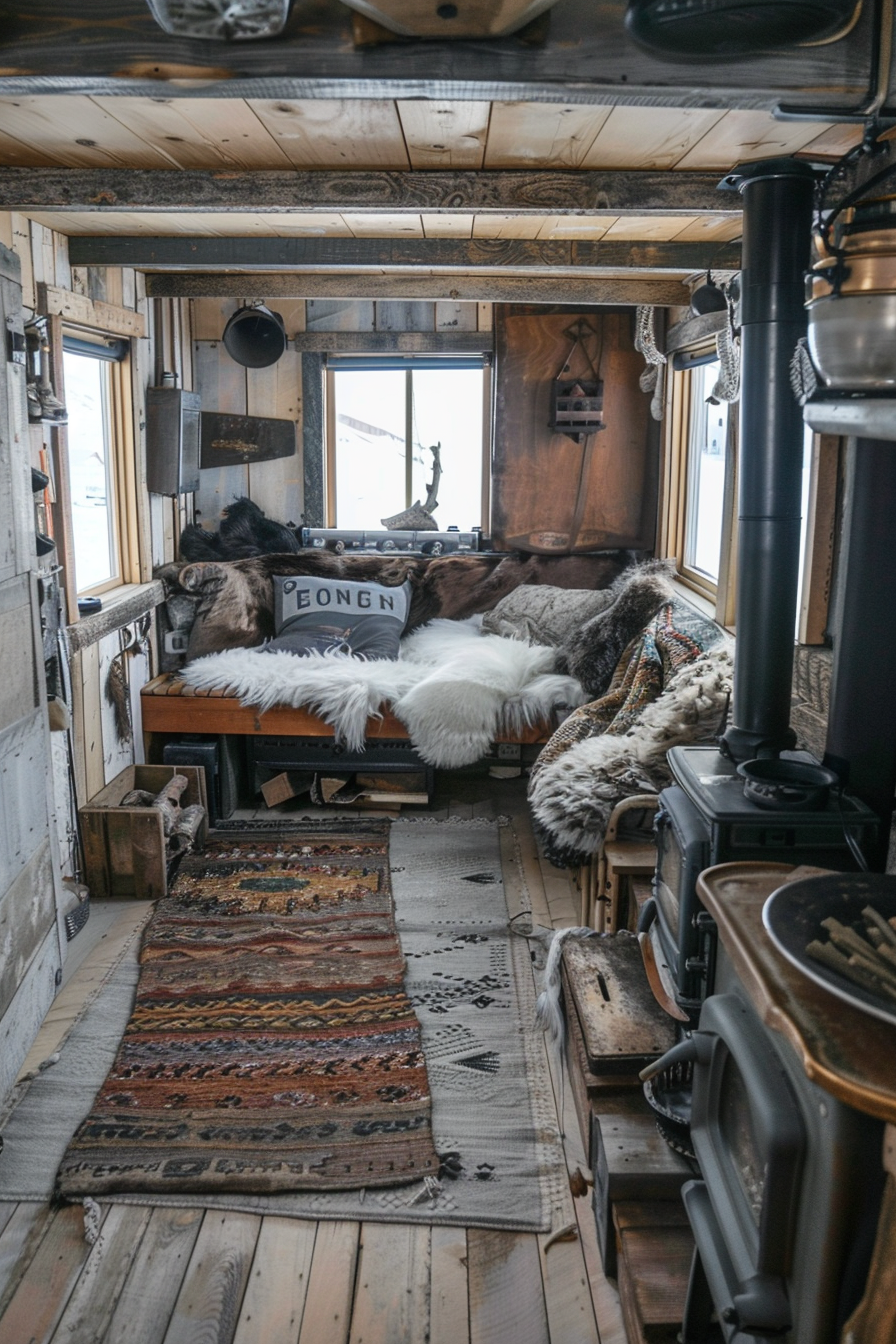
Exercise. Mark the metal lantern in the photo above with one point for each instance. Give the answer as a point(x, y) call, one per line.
point(577, 404)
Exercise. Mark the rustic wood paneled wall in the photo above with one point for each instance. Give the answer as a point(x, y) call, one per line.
point(97, 752)
point(31, 939)
point(549, 492)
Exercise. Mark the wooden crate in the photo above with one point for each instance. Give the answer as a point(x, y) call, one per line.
point(588, 1087)
point(656, 1248)
point(124, 847)
point(630, 1160)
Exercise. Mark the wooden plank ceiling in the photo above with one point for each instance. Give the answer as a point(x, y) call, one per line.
point(81, 131)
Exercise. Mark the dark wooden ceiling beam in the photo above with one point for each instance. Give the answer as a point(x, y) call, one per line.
point(662, 291)
point(588, 56)
point(346, 254)
point(528, 192)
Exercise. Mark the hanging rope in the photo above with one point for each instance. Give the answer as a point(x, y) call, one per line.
point(653, 378)
point(727, 386)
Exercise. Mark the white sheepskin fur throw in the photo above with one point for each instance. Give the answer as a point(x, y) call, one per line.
point(573, 796)
point(453, 687)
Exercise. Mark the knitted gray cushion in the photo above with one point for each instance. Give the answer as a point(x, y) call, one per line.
point(543, 614)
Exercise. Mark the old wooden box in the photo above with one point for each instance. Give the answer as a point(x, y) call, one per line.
point(124, 847)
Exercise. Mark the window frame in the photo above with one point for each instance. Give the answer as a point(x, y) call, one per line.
point(119, 422)
point(391, 362)
point(675, 488)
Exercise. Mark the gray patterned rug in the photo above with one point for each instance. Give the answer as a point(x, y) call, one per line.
point(470, 981)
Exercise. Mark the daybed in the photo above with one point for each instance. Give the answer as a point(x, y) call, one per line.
point(626, 669)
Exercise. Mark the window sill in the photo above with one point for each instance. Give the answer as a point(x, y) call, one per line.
point(697, 599)
point(120, 607)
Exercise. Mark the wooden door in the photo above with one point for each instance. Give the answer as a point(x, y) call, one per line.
point(31, 936)
point(551, 494)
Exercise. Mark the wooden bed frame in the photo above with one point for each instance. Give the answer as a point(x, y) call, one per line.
point(170, 706)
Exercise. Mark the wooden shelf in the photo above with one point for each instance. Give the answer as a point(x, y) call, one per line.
point(846, 1051)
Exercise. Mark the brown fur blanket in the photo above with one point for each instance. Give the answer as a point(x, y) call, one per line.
point(236, 603)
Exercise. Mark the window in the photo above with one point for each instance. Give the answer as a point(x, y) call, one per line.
point(384, 416)
point(94, 378)
point(705, 476)
point(698, 516)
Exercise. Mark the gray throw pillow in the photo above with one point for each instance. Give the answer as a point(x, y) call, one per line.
point(338, 616)
point(543, 614)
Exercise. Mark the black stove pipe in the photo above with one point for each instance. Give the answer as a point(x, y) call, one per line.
point(861, 738)
point(777, 195)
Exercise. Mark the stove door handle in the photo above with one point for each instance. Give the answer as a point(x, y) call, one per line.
point(696, 1049)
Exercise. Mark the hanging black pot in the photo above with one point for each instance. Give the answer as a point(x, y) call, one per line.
point(255, 337)
point(708, 299)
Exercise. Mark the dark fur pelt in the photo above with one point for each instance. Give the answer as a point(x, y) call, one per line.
point(236, 602)
point(244, 532)
point(592, 654)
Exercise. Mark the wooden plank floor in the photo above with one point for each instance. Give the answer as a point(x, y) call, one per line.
point(168, 1276)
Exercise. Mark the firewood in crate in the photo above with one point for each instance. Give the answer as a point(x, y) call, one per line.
point(168, 801)
point(137, 798)
point(186, 829)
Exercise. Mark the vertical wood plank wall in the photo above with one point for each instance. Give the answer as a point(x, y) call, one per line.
point(98, 754)
point(30, 943)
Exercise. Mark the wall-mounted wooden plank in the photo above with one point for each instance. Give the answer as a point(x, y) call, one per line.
point(531, 135)
point(545, 191)
point(84, 312)
point(334, 133)
point(440, 134)
point(615, 289)
point(257, 254)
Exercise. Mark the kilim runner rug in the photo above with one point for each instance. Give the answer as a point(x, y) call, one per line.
point(271, 1046)
point(471, 984)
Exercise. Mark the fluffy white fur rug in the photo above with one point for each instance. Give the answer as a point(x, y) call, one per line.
point(453, 687)
point(573, 796)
